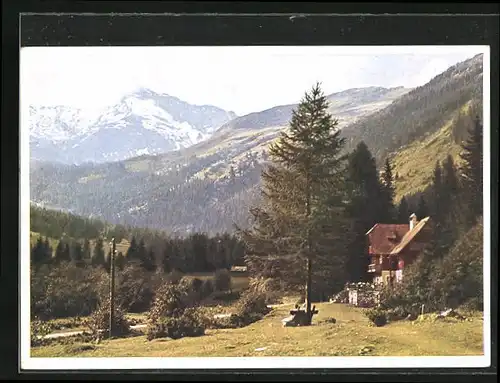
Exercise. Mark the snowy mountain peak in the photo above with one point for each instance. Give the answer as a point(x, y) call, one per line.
point(142, 122)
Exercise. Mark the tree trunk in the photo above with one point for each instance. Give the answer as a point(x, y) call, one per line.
point(308, 289)
point(309, 250)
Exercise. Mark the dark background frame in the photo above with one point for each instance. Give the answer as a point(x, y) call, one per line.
point(127, 23)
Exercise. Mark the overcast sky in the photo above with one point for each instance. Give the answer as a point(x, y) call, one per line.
point(241, 79)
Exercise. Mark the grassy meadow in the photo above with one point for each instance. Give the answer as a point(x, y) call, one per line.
point(351, 335)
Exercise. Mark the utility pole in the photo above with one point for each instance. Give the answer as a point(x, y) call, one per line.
point(112, 287)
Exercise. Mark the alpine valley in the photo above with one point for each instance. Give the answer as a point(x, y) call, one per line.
point(155, 161)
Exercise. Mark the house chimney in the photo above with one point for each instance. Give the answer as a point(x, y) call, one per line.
point(413, 221)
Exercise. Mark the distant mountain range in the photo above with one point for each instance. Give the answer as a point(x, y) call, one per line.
point(143, 122)
point(191, 189)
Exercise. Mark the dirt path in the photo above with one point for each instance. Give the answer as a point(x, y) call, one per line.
point(73, 333)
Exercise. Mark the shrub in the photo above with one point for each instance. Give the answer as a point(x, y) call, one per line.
point(196, 285)
point(188, 324)
point(207, 288)
point(252, 302)
point(169, 301)
point(191, 291)
point(39, 329)
point(98, 323)
point(174, 276)
point(135, 288)
point(377, 316)
point(473, 304)
point(222, 280)
point(66, 290)
point(226, 296)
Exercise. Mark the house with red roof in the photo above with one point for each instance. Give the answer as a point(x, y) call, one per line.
point(392, 247)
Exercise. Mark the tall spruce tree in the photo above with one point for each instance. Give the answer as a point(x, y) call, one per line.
point(472, 171)
point(299, 227)
point(403, 211)
point(364, 208)
point(455, 216)
point(388, 210)
point(441, 232)
point(437, 196)
point(422, 208)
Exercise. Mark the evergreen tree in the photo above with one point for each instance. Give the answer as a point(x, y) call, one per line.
point(59, 255)
point(133, 251)
point(149, 262)
point(107, 261)
point(98, 259)
point(77, 254)
point(472, 171)
point(450, 179)
point(48, 250)
point(86, 252)
point(299, 226)
point(364, 208)
point(422, 209)
point(39, 252)
point(199, 248)
point(388, 211)
point(403, 211)
point(438, 213)
point(167, 256)
point(142, 253)
point(66, 253)
point(120, 261)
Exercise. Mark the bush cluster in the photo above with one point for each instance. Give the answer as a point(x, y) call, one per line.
point(98, 322)
point(377, 316)
point(39, 329)
point(66, 290)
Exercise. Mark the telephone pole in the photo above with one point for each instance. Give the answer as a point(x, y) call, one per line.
point(112, 287)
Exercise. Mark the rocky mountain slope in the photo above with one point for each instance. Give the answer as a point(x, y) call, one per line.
point(210, 185)
point(143, 122)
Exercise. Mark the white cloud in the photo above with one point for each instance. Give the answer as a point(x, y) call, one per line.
point(243, 79)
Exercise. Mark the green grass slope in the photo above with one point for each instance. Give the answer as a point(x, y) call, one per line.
point(352, 335)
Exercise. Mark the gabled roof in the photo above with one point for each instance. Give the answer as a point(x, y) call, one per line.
point(380, 234)
point(410, 235)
